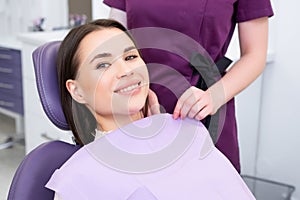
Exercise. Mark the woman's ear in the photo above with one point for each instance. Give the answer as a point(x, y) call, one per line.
point(75, 91)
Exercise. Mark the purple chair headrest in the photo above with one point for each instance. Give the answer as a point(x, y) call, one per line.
point(44, 60)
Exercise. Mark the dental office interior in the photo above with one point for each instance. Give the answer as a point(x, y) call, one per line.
point(268, 111)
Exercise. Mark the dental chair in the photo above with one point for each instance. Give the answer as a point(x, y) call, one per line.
point(38, 166)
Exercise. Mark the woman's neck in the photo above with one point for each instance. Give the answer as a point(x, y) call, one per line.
point(112, 122)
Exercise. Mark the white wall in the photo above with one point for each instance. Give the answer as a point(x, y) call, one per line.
point(99, 9)
point(18, 15)
point(279, 142)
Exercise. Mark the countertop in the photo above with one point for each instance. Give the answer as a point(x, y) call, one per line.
point(38, 38)
point(10, 42)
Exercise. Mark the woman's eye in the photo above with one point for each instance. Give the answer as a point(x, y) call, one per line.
point(131, 57)
point(103, 65)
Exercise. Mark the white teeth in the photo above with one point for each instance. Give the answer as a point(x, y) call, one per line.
point(132, 87)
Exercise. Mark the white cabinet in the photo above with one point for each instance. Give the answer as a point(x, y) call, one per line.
point(38, 128)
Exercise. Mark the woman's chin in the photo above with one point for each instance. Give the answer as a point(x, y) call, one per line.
point(135, 111)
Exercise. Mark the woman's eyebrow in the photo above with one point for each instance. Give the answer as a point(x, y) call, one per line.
point(101, 55)
point(129, 49)
point(104, 55)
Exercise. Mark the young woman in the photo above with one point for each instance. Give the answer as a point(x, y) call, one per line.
point(104, 87)
point(95, 79)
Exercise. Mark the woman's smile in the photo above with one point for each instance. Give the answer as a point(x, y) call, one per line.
point(128, 88)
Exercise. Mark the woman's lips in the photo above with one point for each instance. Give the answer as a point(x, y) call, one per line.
point(128, 88)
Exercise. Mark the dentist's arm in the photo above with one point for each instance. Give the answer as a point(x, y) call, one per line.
point(196, 103)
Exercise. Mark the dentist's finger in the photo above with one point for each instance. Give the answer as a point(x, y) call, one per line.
point(203, 113)
point(187, 101)
point(201, 103)
point(180, 102)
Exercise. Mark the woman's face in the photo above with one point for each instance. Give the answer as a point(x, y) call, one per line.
point(112, 78)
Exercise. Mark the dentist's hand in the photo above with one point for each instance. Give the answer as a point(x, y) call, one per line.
point(196, 103)
point(153, 107)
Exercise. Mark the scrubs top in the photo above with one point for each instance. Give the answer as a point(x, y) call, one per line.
point(210, 23)
point(156, 158)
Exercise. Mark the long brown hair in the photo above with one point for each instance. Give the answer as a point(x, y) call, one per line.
point(81, 121)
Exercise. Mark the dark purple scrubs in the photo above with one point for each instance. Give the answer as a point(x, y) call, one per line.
point(210, 23)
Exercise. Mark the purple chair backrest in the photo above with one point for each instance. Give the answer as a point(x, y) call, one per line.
point(38, 166)
point(44, 59)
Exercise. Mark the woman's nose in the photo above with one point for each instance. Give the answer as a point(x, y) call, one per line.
point(124, 69)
